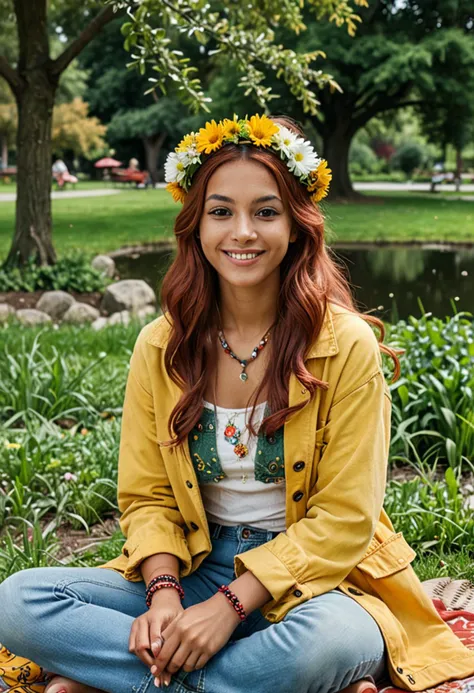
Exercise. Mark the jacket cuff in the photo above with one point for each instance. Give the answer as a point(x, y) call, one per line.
point(278, 565)
point(137, 550)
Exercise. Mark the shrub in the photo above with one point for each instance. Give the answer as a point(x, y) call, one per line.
point(70, 273)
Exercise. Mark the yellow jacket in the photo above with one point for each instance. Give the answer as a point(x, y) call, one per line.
point(338, 535)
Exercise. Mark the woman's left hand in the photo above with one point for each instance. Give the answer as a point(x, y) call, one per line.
point(195, 636)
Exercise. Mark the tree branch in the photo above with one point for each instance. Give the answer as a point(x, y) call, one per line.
point(10, 75)
point(92, 29)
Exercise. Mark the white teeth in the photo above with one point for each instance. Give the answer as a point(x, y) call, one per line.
point(243, 256)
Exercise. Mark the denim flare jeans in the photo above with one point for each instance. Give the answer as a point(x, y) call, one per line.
point(76, 622)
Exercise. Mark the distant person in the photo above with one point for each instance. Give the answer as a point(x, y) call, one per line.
point(437, 176)
point(61, 174)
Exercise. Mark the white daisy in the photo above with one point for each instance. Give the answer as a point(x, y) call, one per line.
point(302, 158)
point(284, 139)
point(192, 156)
point(175, 166)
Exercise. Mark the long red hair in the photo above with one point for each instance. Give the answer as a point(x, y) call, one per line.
point(310, 277)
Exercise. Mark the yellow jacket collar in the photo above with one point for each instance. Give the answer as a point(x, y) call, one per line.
point(325, 345)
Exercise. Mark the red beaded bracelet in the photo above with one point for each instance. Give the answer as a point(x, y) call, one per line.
point(159, 583)
point(234, 601)
point(155, 588)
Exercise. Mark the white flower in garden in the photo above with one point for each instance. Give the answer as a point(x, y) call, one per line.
point(284, 139)
point(302, 158)
point(175, 166)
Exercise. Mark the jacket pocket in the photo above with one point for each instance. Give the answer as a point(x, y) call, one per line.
point(388, 557)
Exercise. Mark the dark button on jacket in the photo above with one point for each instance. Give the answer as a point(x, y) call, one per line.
point(189, 484)
point(298, 593)
point(298, 466)
point(298, 495)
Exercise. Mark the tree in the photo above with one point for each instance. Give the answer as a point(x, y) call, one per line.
point(34, 82)
point(243, 31)
point(393, 61)
point(74, 130)
point(151, 125)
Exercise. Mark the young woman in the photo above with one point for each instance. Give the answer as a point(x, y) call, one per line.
point(252, 467)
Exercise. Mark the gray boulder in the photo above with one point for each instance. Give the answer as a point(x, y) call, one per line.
point(104, 264)
point(99, 323)
point(127, 294)
point(32, 316)
point(121, 318)
point(5, 312)
point(55, 303)
point(80, 313)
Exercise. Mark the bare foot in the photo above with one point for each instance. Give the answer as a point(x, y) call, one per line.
point(61, 683)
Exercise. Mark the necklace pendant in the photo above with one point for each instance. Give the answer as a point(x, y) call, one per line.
point(243, 377)
point(244, 478)
point(241, 450)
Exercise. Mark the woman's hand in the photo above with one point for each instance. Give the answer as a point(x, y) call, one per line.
point(192, 638)
point(146, 634)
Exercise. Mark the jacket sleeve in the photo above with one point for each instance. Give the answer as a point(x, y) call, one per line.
point(345, 503)
point(150, 520)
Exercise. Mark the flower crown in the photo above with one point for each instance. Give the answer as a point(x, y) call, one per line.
point(299, 154)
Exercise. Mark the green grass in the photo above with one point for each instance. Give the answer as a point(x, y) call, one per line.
point(103, 224)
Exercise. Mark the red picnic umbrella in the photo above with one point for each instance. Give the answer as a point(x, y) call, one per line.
point(107, 162)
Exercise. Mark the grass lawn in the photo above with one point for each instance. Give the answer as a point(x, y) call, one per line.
point(101, 224)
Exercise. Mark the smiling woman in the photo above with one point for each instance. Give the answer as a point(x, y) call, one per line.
point(257, 555)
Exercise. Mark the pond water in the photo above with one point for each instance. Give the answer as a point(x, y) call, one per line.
point(389, 279)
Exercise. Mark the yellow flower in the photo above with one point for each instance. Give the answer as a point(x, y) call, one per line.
point(261, 130)
point(12, 446)
point(231, 127)
point(319, 194)
point(186, 142)
point(84, 431)
point(210, 137)
point(322, 176)
point(177, 191)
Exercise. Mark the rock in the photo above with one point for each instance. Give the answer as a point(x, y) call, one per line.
point(5, 312)
point(122, 318)
point(80, 313)
point(104, 264)
point(32, 316)
point(145, 312)
point(128, 294)
point(99, 323)
point(55, 303)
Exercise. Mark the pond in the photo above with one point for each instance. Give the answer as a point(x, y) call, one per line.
point(389, 279)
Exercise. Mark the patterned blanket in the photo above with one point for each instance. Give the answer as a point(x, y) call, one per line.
point(23, 676)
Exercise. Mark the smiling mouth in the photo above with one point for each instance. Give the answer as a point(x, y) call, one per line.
point(243, 256)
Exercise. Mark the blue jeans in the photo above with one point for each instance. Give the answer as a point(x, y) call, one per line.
point(76, 622)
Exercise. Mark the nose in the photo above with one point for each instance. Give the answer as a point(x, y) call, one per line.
point(243, 229)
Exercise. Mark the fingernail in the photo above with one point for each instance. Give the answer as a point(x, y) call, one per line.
point(156, 682)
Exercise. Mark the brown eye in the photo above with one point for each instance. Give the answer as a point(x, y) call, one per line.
point(219, 209)
point(273, 212)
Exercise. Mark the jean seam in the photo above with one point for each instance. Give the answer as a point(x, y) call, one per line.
point(67, 582)
point(145, 682)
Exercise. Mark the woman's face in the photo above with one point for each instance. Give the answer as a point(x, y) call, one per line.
point(244, 214)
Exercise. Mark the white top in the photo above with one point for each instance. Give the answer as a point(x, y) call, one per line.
point(231, 502)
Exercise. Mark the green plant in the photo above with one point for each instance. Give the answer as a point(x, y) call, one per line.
point(71, 273)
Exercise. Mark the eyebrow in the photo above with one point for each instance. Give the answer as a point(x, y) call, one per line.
point(224, 198)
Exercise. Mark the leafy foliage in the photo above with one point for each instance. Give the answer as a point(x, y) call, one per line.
point(71, 273)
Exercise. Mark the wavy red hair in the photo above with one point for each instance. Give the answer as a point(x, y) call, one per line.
point(310, 277)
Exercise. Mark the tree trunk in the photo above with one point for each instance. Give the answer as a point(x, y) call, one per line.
point(153, 146)
point(4, 152)
point(33, 237)
point(336, 145)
